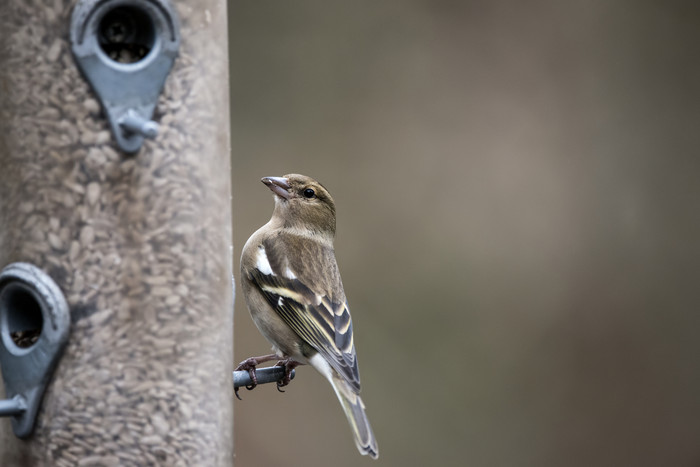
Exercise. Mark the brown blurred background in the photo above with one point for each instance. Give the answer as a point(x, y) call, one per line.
point(518, 201)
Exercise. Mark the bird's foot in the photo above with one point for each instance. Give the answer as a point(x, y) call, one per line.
point(249, 365)
point(289, 364)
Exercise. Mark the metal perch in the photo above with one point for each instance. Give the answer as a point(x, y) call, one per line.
point(12, 407)
point(270, 374)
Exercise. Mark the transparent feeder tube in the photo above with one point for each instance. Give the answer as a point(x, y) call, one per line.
point(139, 244)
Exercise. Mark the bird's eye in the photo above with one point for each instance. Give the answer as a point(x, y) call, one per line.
point(309, 193)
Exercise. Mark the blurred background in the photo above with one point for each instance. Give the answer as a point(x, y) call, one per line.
point(518, 194)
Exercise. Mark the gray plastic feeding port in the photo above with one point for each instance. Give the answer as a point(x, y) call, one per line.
point(125, 49)
point(34, 327)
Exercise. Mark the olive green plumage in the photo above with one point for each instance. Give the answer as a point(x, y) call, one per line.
point(292, 287)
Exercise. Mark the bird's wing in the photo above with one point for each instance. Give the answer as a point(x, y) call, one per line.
point(309, 298)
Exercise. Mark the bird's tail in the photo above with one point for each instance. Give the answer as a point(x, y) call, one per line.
point(354, 410)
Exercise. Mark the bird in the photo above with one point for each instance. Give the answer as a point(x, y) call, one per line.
point(293, 290)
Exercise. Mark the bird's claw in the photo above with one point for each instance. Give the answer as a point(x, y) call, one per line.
point(251, 363)
point(288, 365)
point(248, 365)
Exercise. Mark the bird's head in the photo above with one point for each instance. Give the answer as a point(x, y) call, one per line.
point(302, 203)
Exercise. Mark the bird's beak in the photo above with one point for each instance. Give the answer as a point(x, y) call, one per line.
point(279, 186)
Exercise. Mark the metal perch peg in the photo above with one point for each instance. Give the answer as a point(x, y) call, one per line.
point(13, 407)
point(133, 123)
point(270, 374)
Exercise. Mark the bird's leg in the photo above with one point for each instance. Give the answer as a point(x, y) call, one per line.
point(249, 365)
point(289, 364)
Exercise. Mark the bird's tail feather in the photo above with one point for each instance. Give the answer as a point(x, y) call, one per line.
point(354, 410)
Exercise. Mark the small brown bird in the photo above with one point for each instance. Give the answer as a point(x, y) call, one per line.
point(292, 287)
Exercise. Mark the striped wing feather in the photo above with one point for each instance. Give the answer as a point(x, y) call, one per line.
point(323, 323)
